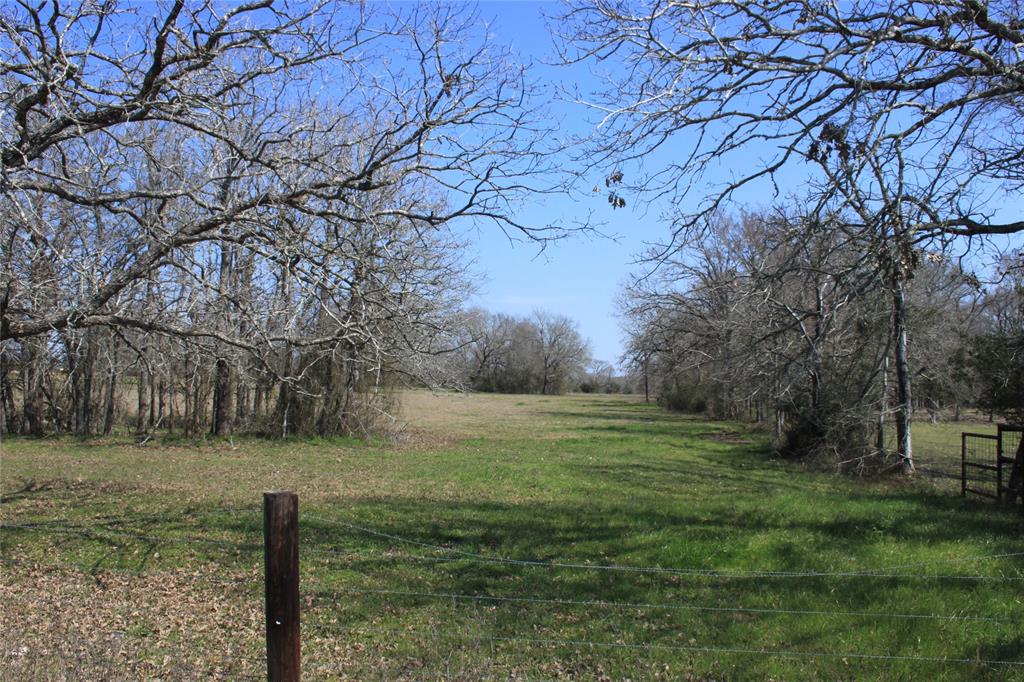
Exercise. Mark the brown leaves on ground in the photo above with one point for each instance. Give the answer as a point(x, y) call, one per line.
point(58, 624)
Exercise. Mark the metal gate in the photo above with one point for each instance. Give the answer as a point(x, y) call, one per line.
point(991, 465)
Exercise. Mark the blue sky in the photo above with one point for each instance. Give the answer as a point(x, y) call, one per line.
point(578, 276)
point(581, 277)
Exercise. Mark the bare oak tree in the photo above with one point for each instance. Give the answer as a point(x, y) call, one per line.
point(921, 98)
point(901, 117)
point(249, 203)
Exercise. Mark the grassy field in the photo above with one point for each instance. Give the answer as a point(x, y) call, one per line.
point(506, 537)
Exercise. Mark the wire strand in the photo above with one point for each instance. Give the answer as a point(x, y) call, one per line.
point(714, 573)
point(675, 607)
point(579, 643)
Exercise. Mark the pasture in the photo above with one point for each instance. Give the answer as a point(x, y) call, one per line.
point(506, 537)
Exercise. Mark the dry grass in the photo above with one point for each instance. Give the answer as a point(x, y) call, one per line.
point(465, 415)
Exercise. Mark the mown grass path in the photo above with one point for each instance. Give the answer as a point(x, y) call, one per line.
point(505, 537)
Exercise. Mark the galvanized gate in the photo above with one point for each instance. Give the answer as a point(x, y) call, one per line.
point(993, 465)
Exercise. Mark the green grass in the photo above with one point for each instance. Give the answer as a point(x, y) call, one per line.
point(581, 480)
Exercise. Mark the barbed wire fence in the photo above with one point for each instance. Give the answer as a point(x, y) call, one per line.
point(324, 621)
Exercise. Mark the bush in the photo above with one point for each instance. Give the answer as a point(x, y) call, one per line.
point(832, 435)
point(688, 398)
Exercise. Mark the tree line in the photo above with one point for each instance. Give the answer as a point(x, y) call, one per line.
point(543, 353)
point(242, 217)
point(789, 322)
point(164, 383)
point(882, 138)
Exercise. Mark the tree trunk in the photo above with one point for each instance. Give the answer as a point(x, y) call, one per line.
point(74, 380)
point(241, 402)
point(223, 391)
point(186, 417)
point(647, 386)
point(1015, 486)
point(883, 407)
point(108, 417)
point(172, 407)
point(904, 402)
point(257, 400)
point(284, 403)
point(152, 403)
point(9, 420)
point(87, 382)
point(32, 408)
point(198, 406)
point(142, 416)
point(283, 412)
point(351, 378)
point(222, 399)
point(161, 404)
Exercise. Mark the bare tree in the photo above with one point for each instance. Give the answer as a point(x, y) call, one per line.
point(543, 353)
point(563, 353)
point(903, 116)
point(920, 99)
point(770, 315)
point(269, 186)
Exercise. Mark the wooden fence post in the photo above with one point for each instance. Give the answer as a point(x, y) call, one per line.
point(281, 565)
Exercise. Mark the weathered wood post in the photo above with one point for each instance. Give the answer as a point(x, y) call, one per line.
point(281, 576)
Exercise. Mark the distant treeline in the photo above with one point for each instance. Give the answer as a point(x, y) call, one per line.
point(542, 353)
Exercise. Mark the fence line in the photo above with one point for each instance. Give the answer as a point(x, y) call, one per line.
point(954, 560)
point(709, 573)
point(582, 643)
point(886, 572)
point(672, 607)
point(82, 530)
point(86, 532)
point(91, 570)
point(714, 573)
point(764, 652)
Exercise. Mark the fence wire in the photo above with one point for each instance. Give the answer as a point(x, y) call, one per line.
point(712, 573)
point(447, 634)
point(109, 528)
point(669, 607)
point(885, 572)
